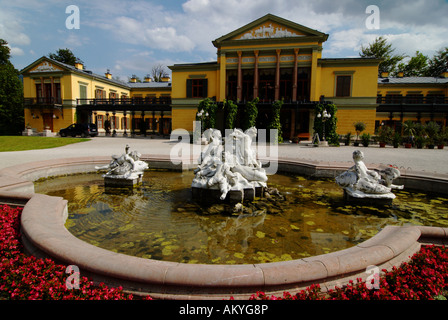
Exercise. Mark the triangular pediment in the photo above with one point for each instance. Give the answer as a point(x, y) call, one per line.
point(46, 66)
point(270, 27)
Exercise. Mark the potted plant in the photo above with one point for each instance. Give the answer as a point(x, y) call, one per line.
point(396, 139)
point(384, 135)
point(348, 137)
point(359, 127)
point(409, 131)
point(441, 138)
point(420, 141)
point(432, 129)
point(365, 138)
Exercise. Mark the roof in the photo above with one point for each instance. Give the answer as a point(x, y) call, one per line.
point(307, 32)
point(137, 85)
point(413, 80)
point(88, 73)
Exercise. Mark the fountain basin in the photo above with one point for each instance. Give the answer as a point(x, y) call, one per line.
point(44, 235)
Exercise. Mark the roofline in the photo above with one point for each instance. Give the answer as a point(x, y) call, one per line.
point(269, 16)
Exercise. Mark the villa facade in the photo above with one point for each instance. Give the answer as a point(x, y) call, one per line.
point(270, 58)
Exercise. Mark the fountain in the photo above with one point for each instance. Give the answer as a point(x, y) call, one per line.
point(360, 183)
point(231, 173)
point(124, 170)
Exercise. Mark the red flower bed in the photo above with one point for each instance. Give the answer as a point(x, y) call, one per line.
point(425, 277)
point(30, 278)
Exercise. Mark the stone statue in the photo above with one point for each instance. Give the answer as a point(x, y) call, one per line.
point(360, 182)
point(233, 168)
point(127, 166)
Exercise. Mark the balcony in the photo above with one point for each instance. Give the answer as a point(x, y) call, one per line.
point(126, 104)
point(43, 101)
point(412, 103)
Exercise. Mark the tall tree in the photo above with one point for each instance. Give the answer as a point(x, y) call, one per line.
point(158, 72)
point(380, 49)
point(65, 56)
point(417, 66)
point(11, 94)
point(438, 63)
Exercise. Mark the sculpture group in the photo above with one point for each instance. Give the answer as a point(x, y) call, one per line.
point(124, 170)
point(361, 183)
point(229, 167)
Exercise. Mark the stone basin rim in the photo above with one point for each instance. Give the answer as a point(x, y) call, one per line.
point(45, 235)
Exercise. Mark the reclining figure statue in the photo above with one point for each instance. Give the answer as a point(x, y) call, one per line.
point(125, 166)
point(360, 182)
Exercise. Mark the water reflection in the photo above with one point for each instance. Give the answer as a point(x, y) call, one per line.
point(158, 220)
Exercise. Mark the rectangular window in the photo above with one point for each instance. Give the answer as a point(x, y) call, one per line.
point(82, 92)
point(197, 88)
point(99, 122)
point(343, 84)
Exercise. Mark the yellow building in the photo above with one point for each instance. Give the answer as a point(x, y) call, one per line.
point(420, 99)
point(57, 95)
point(270, 58)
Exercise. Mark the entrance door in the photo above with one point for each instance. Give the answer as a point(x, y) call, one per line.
point(48, 120)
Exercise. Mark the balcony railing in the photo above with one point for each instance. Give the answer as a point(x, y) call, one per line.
point(126, 101)
point(412, 100)
point(42, 101)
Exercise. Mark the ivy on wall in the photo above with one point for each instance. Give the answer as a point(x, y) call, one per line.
point(330, 125)
point(275, 122)
point(250, 114)
point(231, 110)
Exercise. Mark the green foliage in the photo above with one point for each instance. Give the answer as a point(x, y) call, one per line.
point(250, 114)
point(348, 138)
point(359, 127)
point(385, 134)
point(380, 49)
point(417, 66)
point(207, 113)
point(330, 125)
point(11, 95)
point(396, 139)
point(365, 139)
point(65, 56)
point(275, 122)
point(438, 63)
point(232, 111)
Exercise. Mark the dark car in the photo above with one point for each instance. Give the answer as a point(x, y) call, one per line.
point(79, 129)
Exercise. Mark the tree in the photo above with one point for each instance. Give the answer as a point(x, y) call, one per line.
point(438, 63)
point(11, 95)
point(380, 49)
point(416, 67)
point(65, 56)
point(158, 72)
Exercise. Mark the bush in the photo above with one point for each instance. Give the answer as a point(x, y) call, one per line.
point(365, 139)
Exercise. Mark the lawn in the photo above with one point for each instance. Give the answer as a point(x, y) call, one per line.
point(21, 143)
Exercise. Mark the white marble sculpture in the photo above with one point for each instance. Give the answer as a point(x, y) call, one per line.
point(127, 166)
point(360, 182)
point(233, 166)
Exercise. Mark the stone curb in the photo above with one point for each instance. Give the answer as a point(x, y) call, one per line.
point(44, 235)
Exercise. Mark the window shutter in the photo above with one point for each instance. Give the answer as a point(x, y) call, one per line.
point(189, 88)
point(343, 86)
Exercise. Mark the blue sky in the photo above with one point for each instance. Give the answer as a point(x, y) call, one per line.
point(130, 37)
